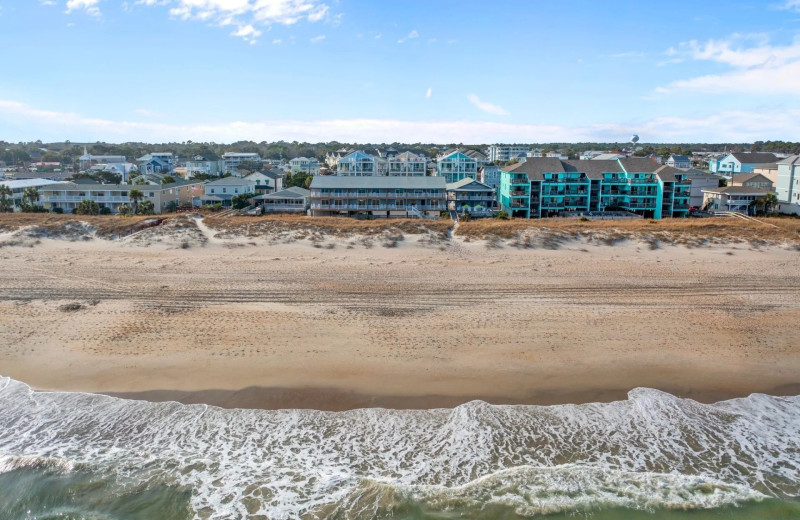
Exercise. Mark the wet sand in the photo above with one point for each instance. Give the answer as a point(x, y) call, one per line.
point(344, 323)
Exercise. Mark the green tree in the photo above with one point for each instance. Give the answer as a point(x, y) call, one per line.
point(770, 200)
point(167, 179)
point(87, 207)
point(124, 209)
point(29, 199)
point(6, 202)
point(140, 181)
point(145, 208)
point(241, 201)
point(136, 196)
point(249, 166)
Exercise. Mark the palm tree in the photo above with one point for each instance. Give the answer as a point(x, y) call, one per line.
point(135, 196)
point(5, 195)
point(770, 201)
point(29, 198)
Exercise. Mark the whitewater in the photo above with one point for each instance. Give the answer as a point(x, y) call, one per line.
point(651, 452)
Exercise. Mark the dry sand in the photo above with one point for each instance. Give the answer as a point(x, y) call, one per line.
point(277, 321)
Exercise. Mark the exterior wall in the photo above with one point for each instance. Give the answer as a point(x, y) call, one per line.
point(362, 165)
point(406, 168)
point(515, 196)
point(383, 202)
point(456, 167)
point(226, 192)
point(502, 153)
point(729, 202)
point(698, 184)
point(204, 168)
point(284, 205)
point(787, 189)
point(477, 202)
point(303, 164)
point(231, 161)
point(115, 196)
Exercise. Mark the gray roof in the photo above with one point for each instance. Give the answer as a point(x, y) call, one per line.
point(468, 184)
point(792, 159)
point(117, 187)
point(639, 164)
point(697, 174)
point(667, 173)
point(754, 157)
point(593, 169)
point(536, 167)
point(741, 178)
point(738, 190)
point(232, 181)
point(354, 182)
point(680, 158)
point(768, 166)
point(289, 193)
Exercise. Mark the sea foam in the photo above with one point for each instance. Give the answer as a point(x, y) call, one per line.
point(652, 450)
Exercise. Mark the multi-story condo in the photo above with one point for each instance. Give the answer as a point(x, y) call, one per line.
point(700, 181)
point(545, 187)
point(199, 166)
point(232, 160)
point(304, 164)
point(490, 175)
point(504, 153)
point(378, 196)
point(456, 166)
point(740, 162)
point(156, 162)
point(407, 164)
point(18, 187)
point(67, 196)
point(471, 196)
point(360, 164)
point(223, 190)
point(787, 189)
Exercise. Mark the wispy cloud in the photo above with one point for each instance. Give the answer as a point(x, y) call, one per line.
point(52, 125)
point(629, 54)
point(487, 107)
point(429, 93)
point(246, 15)
point(757, 66)
point(89, 6)
point(47, 2)
point(412, 35)
point(790, 5)
point(317, 39)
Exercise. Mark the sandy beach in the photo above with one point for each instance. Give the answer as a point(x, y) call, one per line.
point(282, 319)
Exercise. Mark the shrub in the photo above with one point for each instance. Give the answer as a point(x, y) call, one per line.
point(585, 219)
point(60, 211)
point(105, 210)
point(501, 215)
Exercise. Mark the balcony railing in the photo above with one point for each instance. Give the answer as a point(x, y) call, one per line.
point(518, 193)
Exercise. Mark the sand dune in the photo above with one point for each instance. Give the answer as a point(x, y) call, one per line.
point(389, 318)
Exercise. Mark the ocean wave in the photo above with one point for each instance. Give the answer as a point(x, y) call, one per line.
point(652, 450)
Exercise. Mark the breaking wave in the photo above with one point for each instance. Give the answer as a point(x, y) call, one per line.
point(651, 451)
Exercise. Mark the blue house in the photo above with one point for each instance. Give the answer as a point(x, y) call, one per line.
point(740, 162)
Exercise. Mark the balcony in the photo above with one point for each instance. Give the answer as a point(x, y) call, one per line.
point(518, 193)
point(520, 180)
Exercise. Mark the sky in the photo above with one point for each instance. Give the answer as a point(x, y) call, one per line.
point(383, 71)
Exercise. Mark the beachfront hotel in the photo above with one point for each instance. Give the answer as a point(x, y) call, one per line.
point(545, 187)
point(67, 196)
point(378, 196)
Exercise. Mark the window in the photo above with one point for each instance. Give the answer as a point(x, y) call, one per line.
point(224, 190)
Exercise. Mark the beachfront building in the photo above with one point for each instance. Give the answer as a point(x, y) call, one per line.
point(232, 160)
point(198, 165)
point(362, 164)
point(739, 162)
point(88, 160)
point(679, 161)
point(406, 164)
point(752, 180)
point(740, 199)
point(378, 196)
point(156, 163)
point(290, 200)
point(223, 190)
point(18, 187)
point(457, 165)
point(547, 187)
point(471, 196)
point(67, 196)
point(490, 175)
point(304, 164)
point(504, 153)
point(787, 189)
point(701, 180)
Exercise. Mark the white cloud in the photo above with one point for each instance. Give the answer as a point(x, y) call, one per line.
point(629, 54)
point(277, 41)
point(429, 93)
point(378, 36)
point(247, 15)
point(790, 5)
point(50, 125)
point(317, 39)
point(758, 67)
point(248, 33)
point(413, 34)
point(90, 6)
point(489, 108)
point(47, 2)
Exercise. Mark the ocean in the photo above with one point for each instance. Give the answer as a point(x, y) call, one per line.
point(653, 456)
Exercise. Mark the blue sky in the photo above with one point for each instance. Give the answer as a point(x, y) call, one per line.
point(408, 71)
